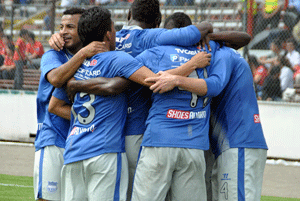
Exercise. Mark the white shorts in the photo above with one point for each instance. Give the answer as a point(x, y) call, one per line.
point(104, 176)
point(161, 169)
point(48, 163)
point(237, 174)
point(132, 147)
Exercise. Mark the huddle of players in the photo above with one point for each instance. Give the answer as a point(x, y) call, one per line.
point(176, 130)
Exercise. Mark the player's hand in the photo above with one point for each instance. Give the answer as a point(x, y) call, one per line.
point(165, 82)
point(201, 60)
point(70, 89)
point(94, 48)
point(205, 42)
point(56, 42)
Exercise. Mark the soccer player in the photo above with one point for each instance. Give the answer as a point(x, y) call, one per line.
point(237, 141)
point(56, 69)
point(99, 120)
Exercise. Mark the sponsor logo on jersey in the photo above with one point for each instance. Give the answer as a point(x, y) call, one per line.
point(174, 57)
point(185, 51)
point(256, 118)
point(85, 72)
point(120, 40)
point(52, 186)
point(78, 130)
point(93, 62)
point(180, 114)
point(177, 58)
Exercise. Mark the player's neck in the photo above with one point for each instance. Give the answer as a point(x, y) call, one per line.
point(140, 24)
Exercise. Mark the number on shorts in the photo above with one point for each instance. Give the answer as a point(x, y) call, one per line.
point(88, 106)
point(224, 189)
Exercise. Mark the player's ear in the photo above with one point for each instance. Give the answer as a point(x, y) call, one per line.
point(108, 36)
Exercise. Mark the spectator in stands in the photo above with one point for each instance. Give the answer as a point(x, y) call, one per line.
point(292, 14)
point(7, 70)
point(23, 10)
point(19, 58)
point(2, 47)
point(293, 55)
point(269, 14)
point(48, 20)
point(179, 2)
point(34, 51)
point(286, 73)
point(271, 90)
point(260, 72)
point(268, 61)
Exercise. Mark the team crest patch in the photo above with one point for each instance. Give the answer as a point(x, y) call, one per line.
point(52, 187)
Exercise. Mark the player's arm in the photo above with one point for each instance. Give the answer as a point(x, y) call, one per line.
point(233, 39)
point(200, 60)
point(211, 86)
point(59, 76)
point(166, 82)
point(60, 108)
point(185, 36)
point(99, 86)
point(59, 104)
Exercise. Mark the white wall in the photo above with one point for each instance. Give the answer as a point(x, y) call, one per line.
point(280, 121)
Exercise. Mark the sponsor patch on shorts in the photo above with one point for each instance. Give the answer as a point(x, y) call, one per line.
point(52, 187)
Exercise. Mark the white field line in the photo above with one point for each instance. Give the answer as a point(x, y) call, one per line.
point(16, 185)
point(21, 144)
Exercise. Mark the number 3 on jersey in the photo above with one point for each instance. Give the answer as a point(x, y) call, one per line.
point(88, 106)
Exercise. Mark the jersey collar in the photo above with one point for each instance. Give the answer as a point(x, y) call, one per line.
point(133, 27)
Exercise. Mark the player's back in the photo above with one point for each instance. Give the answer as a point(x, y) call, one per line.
point(98, 121)
point(235, 114)
point(177, 118)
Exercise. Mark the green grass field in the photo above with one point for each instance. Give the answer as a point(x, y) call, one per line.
point(20, 188)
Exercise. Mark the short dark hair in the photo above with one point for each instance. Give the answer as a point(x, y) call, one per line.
point(23, 32)
point(93, 24)
point(31, 35)
point(146, 11)
point(178, 20)
point(74, 11)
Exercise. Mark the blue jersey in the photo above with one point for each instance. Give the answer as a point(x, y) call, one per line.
point(235, 116)
point(177, 118)
point(134, 40)
point(50, 60)
point(55, 129)
point(97, 122)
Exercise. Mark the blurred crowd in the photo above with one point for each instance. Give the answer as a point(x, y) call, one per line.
point(24, 52)
point(277, 75)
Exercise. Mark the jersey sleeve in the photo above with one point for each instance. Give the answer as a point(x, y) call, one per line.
point(220, 73)
point(61, 94)
point(152, 63)
point(50, 60)
point(125, 65)
point(185, 36)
